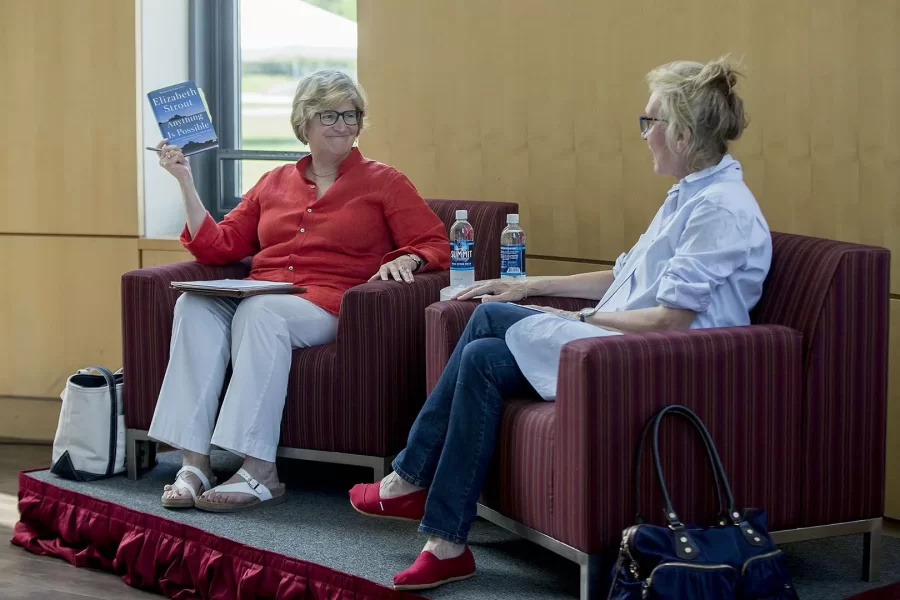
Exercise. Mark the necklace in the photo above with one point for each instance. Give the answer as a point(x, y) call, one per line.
point(316, 175)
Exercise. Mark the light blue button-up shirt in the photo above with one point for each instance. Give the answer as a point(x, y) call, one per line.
point(708, 249)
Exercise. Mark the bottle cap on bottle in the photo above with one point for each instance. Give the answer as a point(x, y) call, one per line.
point(513, 218)
point(462, 215)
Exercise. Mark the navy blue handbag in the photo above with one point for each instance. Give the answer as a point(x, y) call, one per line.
point(735, 558)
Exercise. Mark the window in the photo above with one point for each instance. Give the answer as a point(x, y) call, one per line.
point(248, 56)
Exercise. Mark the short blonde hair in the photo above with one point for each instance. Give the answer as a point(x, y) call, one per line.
point(324, 90)
point(700, 99)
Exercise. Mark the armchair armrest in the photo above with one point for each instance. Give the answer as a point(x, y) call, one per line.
point(381, 353)
point(446, 320)
point(744, 382)
point(148, 304)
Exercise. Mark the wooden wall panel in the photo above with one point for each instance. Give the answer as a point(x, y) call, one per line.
point(539, 266)
point(879, 152)
point(68, 163)
point(537, 102)
point(156, 258)
point(59, 308)
point(892, 495)
point(29, 419)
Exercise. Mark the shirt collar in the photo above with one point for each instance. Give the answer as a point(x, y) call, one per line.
point(726, 162)
point(354, 158)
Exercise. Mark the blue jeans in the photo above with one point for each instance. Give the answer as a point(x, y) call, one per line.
point(451, 443)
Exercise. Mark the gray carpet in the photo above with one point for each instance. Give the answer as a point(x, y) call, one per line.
point(318, 524)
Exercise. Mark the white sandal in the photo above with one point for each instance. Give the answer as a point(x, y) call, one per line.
point(181, 485)
point(251, 486)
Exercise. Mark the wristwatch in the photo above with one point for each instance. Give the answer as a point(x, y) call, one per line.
point(584, 313)
point(416, 260)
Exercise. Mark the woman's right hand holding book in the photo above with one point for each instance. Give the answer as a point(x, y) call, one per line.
point(173, 160)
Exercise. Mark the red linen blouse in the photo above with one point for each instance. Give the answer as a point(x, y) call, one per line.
point(370, 215)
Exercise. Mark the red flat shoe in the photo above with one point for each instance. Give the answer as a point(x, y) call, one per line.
point(365, 498)
point(429, 571)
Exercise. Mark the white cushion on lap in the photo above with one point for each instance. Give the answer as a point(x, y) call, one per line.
point(536, 343)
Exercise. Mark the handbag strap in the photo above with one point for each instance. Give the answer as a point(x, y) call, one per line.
point(712, 453)
point(113, 416)
point(639, 517)
point(750, 535)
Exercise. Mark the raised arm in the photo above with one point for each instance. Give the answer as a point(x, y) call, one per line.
point(176, 163)
point(235, 238)
point(211, 243)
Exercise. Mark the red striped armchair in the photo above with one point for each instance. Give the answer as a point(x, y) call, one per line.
point(352, 401)
point(796, 403)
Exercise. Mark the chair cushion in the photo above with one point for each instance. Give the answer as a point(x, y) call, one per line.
point(312, 400)
point(520, 480)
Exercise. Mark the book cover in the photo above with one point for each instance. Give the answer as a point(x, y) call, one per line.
point(183, 118)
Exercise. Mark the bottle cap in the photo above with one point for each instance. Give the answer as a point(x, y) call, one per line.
point(462, 215)
point(513, 218)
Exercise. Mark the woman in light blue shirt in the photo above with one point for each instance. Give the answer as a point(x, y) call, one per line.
point(701, 263)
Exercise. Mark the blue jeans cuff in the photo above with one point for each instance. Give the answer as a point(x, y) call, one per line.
point(441, 534)
point(409, 478)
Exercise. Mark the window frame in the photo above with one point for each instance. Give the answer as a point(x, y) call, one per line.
point(214, 63)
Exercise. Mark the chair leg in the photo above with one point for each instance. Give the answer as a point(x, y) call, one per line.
point(131, 455)
point(140, 454)
point(152, 448)
point(591, 578)
point(872, 553)
point(383, 468)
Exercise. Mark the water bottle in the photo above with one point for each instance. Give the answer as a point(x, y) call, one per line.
point(512, 250)
point(462, 251)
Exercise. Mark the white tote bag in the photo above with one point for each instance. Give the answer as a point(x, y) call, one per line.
point(90, 436)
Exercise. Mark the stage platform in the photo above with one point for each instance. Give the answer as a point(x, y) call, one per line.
point(316, 546)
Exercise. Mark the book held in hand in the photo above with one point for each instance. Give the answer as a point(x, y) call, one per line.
point(236, 288)
point(183, 118)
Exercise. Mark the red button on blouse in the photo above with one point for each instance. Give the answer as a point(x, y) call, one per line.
point(370, 215)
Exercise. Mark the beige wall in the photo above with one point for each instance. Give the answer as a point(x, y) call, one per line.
point(537, 102)
point(69, 208)
point(157, 252)
point(69, 158)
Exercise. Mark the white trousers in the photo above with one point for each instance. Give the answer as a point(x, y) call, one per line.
point(257, 334)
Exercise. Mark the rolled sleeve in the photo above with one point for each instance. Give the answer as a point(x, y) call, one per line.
point(714, 244)
point(235, 238)
point(620, 262)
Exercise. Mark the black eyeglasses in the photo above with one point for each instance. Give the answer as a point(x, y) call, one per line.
point(330, 117)
point(647, 123)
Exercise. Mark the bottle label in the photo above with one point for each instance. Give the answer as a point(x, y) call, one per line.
point(512, 260)
point(461, 254)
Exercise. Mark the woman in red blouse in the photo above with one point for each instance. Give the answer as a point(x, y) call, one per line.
point(331, 221)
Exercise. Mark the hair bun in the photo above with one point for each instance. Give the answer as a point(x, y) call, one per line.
point(718, 74)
